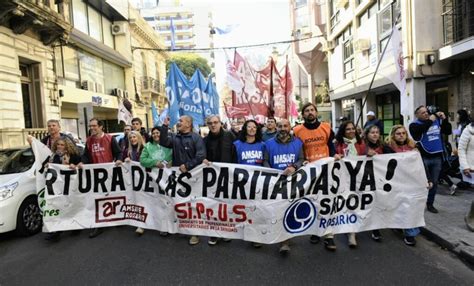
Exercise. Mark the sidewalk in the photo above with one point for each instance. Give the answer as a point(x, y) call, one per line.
point(447, 228)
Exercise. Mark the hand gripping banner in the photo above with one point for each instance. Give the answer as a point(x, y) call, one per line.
point(240, 202)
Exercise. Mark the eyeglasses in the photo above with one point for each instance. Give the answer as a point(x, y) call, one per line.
point(213, 123)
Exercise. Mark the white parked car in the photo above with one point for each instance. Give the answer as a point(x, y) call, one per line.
point(19, 208)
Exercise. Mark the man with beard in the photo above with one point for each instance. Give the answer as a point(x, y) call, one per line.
point(284, 152)
point(219, 144)
point(188, 148)
point(100, 148)
point(318, 143)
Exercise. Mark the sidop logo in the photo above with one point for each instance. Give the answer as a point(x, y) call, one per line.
point(299, 216)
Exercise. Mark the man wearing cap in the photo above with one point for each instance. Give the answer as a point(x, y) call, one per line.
point(372, 120)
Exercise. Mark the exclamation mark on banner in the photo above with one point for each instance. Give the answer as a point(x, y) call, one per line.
point(392, 164)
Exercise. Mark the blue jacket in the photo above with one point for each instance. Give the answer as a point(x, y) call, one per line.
point(249, 153)
point(281, 155)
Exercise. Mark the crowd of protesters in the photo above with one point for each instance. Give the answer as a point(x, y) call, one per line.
point(307, 142)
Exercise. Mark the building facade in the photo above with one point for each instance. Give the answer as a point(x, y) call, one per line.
point(29, 92)
point(357, 33)
point(73, 61)
point(308, 24)
point(192, 24)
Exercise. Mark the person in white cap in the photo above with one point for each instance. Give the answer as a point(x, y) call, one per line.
point(372, 120)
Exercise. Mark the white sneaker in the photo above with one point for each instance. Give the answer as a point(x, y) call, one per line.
point(193, 240)
point(139, 231)
point(452, 190)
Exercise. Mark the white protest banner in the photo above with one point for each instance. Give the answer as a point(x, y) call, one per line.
point(242, 202)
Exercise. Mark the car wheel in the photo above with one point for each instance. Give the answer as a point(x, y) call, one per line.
point(29, 220)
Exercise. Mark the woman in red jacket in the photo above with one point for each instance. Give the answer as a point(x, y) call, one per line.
point(349, 143)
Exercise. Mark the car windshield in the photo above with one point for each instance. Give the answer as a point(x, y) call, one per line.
point(16, 160)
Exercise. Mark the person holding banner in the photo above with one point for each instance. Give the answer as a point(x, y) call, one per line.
point(134, 148)
point(219, 145)
point(318, 143)
point(374, 143)
point(349, 143)
point(54, 133)
point(123, 142)
point(100, 148)
point(65, 153)
point(284, 152)
point(427, 131)
point(188, 148)
point(399, 141)
point(153, 155)
point(249, 148)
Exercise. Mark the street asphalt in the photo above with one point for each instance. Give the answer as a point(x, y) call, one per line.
point(120, 257)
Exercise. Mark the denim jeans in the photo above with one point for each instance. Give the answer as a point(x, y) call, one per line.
point(432, 168)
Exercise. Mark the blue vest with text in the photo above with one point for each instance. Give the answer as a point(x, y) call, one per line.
point(249, 154)
point(431, 141)
point(282, 155)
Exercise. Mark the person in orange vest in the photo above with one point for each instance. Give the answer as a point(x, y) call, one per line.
point(318, 143)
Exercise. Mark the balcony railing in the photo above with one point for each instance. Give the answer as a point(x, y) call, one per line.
point(151, 84)
point(458, 20)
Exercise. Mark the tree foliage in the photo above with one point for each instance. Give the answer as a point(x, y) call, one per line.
point(188, 63)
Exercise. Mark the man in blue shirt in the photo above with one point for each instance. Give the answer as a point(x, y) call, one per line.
point(284, 152)
point(270, 130)
point(427, 131)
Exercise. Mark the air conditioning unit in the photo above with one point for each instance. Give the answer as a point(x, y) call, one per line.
point(362, 44)
point(99, 88)
point(125, 94)
point(118, 92)
point(118, 29)
point(329, 45)
point(88, 85)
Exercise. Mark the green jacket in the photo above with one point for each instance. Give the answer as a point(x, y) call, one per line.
point(154, 153)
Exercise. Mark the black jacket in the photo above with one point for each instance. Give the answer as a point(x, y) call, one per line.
point(188, 148)
point(219, 147)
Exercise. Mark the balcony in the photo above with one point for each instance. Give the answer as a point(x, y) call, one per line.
point(47, 18)
point(151, 85)
point(458, 29)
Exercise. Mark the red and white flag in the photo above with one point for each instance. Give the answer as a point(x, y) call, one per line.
point(235, 112)
point(232, 78)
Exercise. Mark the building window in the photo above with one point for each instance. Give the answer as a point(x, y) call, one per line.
point(299, 3)
point(115, 77)
point(91, 68)
point(95, 24)
point(369, 13)
point(389, 11)
point(301, 17)
point(388, 110)
point(334, 13)
point(107, 29)
point(80, 16)
point(71, 64)
point(348, 51)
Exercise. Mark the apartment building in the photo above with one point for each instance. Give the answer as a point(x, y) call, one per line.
point(357, 32)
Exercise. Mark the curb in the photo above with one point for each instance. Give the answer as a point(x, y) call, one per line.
point(466, 253)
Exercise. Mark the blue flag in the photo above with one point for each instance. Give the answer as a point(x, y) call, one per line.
point(212, 105)
point(154, 114)
point(173, 93)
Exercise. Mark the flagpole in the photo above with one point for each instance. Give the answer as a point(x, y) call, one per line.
point(376, 69)
point(286, 88)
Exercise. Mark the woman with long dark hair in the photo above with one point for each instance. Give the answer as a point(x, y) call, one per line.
point(375, 146)
point(249, 149)
point(349, 143)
